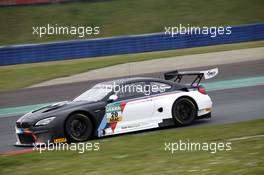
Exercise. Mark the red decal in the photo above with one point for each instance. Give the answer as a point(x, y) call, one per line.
point(113, 126)
point(122, 106)
point(16, 152)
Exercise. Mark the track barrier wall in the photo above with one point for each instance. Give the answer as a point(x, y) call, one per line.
point(19, 54)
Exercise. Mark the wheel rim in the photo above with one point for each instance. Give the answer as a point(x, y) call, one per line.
point(184, 111)
point(78, 128)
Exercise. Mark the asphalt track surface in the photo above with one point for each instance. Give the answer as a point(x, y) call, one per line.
point(230, 105)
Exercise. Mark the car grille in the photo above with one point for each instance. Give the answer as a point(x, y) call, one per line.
point(26, 139)
point(22, 125)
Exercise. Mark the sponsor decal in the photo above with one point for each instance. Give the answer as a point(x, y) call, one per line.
point(130, 126)
point(110, 120)
point(210, 73)
point(114, 114)
point(60, 140)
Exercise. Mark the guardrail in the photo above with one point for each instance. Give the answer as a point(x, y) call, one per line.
point(122, 45)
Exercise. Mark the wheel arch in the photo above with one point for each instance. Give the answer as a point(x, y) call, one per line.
point(189, 98)
point(178, 121)
point(86, 113)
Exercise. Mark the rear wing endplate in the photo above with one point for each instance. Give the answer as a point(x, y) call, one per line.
point(176, 76)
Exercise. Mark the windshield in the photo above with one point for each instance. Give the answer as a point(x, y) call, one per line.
point(94, 94)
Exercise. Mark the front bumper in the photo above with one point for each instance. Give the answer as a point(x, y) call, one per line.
point(33, 136)
point(27, 137)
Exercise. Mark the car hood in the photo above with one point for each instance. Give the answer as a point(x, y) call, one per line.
point(53, 110)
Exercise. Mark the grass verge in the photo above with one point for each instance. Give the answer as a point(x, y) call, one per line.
point(144, 153)
point(124, 17)
point(19, 76)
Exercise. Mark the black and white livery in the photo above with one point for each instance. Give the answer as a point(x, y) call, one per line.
point(119, 106)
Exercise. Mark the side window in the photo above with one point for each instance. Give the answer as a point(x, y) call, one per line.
point(133, 90)
point(159, 87)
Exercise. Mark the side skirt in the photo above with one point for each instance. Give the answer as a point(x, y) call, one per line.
point(167, 122)
point(204, 116)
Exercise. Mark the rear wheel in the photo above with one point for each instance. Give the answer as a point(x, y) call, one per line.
point(184, 111)
point(78, 128)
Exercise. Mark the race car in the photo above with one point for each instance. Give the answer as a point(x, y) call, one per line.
point(119, 106)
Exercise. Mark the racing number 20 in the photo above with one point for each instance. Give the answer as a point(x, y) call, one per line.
point(114, 117)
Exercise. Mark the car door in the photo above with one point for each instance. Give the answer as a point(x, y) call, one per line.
point(162, 99)
point(135, 108)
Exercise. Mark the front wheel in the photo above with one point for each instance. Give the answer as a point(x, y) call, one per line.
point(184, 111)
point(78, 128)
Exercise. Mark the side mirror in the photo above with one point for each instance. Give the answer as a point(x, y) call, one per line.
point(112, 98)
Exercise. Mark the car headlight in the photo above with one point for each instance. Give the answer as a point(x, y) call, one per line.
point(44, 121)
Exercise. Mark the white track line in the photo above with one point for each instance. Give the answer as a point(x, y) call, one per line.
point(245, 138)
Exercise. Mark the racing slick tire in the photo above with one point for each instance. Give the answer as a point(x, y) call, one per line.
point(184, 111)
point(78, 128)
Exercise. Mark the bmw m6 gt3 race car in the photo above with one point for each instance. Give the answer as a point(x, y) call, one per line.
point(119, 106)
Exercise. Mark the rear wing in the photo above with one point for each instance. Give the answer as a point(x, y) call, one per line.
point(176, 76)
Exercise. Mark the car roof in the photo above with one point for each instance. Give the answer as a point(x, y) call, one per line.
point(133, 79)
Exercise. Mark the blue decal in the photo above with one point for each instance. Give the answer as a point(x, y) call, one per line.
point(102, 126)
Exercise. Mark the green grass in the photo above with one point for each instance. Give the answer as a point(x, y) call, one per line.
point(144, 153)
point(19, 76)
point(124, 17)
